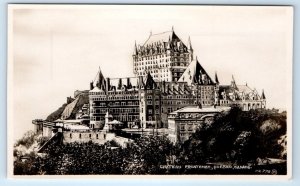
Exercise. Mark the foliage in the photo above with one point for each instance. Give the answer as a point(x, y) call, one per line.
point(236, 137)
point(27, 140)
point(147, 154)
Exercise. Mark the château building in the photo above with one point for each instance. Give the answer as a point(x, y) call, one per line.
point(167, 78)
point(163, 55)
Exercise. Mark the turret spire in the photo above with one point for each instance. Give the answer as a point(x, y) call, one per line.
point(233, 84)
point(216, 78)
point(190, 44)
point(101, 80)
point(263, 95)
point(135, 49)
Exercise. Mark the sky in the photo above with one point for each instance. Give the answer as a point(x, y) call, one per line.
point(59, 49)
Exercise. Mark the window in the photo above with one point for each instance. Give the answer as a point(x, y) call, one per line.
point(79, 135)
point(97, 136)
point(150, 111)
point(90, 136)
point(70, 135)
point(182, 127)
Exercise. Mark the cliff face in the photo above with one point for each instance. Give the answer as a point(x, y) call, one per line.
point(68, 111)
point(83, 98)
point(56, 114)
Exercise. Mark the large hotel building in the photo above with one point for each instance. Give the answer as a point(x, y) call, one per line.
point(168, 77)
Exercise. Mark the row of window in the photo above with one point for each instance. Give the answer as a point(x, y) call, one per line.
point(119, 117)
point(181, 59)
point(161, 56)
point(150, 111)
point(187, 127)
point(115, 98)
point(129, 103)
point(115, 110)
point(202, 88)
point(90, 135)
point(122, 92)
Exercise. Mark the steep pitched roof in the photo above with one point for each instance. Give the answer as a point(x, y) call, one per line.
point(195, 73)
point(149, 82)
point(239, 91)
point(100, 80)
point(162, 37)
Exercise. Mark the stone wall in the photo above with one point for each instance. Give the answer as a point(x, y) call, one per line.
point(99, 137)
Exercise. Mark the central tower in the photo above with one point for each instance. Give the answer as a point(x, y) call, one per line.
point(163, 55)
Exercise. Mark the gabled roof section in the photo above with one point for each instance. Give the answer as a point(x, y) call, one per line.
point(100, 80)
point(244, 88)
point(149, 82)
point(196, 74)
point(160, 37)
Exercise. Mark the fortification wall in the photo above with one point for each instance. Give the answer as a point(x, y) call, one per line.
point(99, 137)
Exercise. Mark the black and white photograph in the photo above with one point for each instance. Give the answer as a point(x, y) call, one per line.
point(164, 90)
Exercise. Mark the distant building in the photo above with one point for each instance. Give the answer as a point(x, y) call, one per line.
point(184, 122)
point(240, 95)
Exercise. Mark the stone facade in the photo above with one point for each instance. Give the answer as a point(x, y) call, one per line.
point(85, 136)
point(163, 55)
point(167, 78)
point(184, 122)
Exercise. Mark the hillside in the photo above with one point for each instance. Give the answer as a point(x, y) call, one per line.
point(68, 111)
point(56, 114)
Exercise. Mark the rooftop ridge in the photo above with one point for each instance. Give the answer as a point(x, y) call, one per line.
point(161, 33)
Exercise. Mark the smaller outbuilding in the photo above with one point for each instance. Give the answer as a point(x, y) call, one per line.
point(184, 122)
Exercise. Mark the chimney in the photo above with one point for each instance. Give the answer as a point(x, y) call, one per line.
point(129, 86)
point(91, 85)
point(107, 84)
